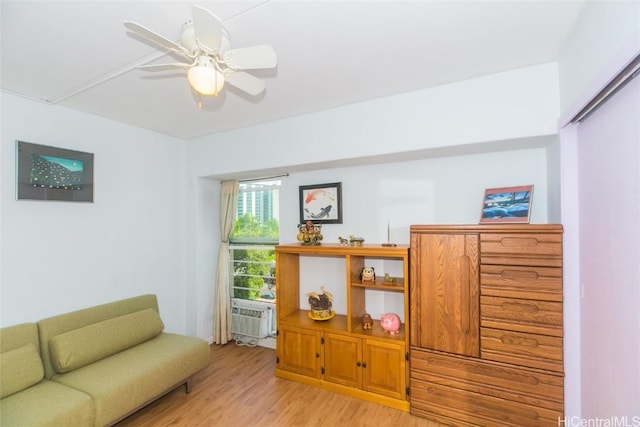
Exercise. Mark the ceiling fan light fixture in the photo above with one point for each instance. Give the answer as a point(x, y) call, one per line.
point(204, 78)
point(204, 43)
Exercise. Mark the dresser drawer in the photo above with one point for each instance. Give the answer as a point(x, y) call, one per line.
point(455, 407)
point(532, 350)
point(457, 390)
point(483, 376)
point(522, 315)
point(543, 283)
point(521, 249)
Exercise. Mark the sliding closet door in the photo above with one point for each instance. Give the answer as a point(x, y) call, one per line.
point(609, 217)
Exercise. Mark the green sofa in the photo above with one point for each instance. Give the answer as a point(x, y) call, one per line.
point(93, 367)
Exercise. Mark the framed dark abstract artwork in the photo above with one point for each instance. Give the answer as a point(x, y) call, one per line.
point(51, 173)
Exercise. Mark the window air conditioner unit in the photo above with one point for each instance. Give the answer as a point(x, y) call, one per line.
point(251, 318)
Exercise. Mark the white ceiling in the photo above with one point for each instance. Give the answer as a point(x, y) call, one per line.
point(330, 53)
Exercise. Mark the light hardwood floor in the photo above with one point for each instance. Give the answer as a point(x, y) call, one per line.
point(239, 388)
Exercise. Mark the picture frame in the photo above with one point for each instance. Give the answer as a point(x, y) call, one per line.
point(51, 173)
point(507, 205)
point(321, 203)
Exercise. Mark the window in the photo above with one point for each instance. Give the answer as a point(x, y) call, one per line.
point(255, 233)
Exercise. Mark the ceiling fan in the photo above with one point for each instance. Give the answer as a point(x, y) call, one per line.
point(205, 43)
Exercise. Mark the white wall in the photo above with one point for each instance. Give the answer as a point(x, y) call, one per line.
point(605, 37)
point(500, 107)
point(447, 190)
point(204, 232)
point(401, 159)
point(60, 256)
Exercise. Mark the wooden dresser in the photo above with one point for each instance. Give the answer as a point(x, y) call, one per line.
point(486, 324)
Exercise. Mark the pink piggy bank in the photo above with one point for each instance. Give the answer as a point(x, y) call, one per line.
point(390, 322)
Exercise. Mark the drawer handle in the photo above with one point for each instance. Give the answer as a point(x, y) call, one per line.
point(519, 307)
point(518, 341)
point(465, 316)
point(519, 241)
point(519, 274)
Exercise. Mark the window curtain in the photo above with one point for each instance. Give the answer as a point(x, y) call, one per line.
point(222, 319)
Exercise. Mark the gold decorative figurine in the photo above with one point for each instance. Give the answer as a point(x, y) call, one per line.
point(309, 234)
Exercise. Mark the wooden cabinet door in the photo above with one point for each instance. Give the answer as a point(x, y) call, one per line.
point(445, 292)
point(300, 351)
point(343, 360)
point(384, 370)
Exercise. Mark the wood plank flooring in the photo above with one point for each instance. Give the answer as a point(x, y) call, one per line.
point(239, 388)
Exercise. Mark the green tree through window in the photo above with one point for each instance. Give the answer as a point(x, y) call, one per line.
point(254, 271)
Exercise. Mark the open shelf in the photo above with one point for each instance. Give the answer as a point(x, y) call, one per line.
point(377, 332)
point(380, 284)
point(301, 318)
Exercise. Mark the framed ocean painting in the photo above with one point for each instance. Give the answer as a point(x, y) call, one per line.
point(508, 205)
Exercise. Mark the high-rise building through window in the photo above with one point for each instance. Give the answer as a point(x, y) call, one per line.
point(259, 199)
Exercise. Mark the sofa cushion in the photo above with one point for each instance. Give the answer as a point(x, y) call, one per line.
point(80, 347)
point(123, 382)
point(21, 368)
point(12, 337)
point(47, 404)
point(66, 322)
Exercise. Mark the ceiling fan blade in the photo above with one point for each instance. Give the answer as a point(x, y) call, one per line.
point(248, 58)
point(244, 81)
point(208, 28)
point(164, 67)
point(155, 37)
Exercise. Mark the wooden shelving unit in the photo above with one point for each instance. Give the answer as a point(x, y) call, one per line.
point(338, 354)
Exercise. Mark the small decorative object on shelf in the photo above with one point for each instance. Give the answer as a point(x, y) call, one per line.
point(320, 305)
point(388, 280)
point(343, 241)
point(390, 323)
point(389, 244)
point(367, 321)
point(356, 241)
point(309, 234)
point(368, 274)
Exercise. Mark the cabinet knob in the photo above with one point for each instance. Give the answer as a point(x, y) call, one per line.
point(358, 364)
point(364, 365)
point(317, 355)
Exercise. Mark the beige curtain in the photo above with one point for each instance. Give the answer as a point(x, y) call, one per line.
point(222, 319)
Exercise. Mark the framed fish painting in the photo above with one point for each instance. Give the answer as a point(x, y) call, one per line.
point(321, 203)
